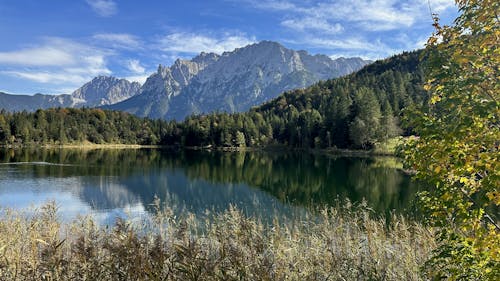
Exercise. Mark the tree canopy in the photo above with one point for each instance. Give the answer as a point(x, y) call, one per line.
point(457, 148)
point(72, 125)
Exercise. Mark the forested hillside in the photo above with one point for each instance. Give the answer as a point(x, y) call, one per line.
point(355, 111)
point(71, 125)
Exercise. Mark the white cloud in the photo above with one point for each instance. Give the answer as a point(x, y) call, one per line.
point(370, 15)
point(276, 5)
point(37, 56)
point(119, 40)
point(56, 61)
point(347, 44)
point(366, 28)
point(135, 66)
point(137, 78)
point(46, 77)
point(438, 6)
point(411, 43)
point(104, 8)
point(349, 47)
point(192, 43)
point(308, 23)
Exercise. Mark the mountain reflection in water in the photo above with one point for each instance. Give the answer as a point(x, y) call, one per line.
point(112, 182)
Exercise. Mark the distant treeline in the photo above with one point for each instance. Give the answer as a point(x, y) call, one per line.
point(72, 125)
point(355, 111)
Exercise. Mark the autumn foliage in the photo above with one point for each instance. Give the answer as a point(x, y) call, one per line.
point(458, 145)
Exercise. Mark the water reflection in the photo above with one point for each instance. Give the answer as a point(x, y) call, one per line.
point(113, 181)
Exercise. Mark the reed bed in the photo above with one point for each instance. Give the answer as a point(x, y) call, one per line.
point(341, 243)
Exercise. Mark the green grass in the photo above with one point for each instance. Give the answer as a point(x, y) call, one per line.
point(343, 243)
point(388, 147)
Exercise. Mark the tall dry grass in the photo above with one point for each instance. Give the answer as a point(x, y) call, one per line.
point(341, 243)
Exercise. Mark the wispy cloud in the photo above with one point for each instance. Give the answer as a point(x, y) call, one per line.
point(37, 56)
point(56, 61)
point(346, 43)
point(438, 6)
point(119, 40)
point(350, 47)
point(135, 66)
point(104, 8)
point(368, 14)
point(370, 28)
point(138, 78)
point(193, 43)
point(276, 5)
point(313, 23)
point(48, 77)
point(138, 72)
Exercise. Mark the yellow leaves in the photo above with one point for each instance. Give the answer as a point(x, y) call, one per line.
point(447, 196)
point(458, 149)
point(435, 99)
point(432, 41)
point(494, 196)
point(437, 169)
point(487, 166)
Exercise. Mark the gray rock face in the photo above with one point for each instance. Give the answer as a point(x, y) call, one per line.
point(233, 81)
point(31, 103)
point(102, 90)
point(105, 90)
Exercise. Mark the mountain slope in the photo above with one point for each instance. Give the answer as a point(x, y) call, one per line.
point(354, 111)
point(105, 90)
point(233, 81)
point(102, 90)
point(31, 103)
point(166, 83)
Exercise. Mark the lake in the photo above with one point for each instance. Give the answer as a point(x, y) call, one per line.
point(124, 182)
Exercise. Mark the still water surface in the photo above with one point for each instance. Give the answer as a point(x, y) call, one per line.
point(123, 182)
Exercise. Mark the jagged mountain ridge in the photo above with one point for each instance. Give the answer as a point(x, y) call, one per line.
point(233, 81)
point(11, 102)
point(105, 90)
point(102, 90)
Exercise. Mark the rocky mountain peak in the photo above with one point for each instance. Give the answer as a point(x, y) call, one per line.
point(105, 90)
point(233, 81)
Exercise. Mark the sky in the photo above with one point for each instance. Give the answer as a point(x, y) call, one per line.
point(55, 46)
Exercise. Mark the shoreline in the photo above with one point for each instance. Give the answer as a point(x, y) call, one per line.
point(270, 148)
point(83, 146)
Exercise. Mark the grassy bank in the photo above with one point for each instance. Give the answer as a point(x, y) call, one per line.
point(386, 148)
point(342, 244)
point(86, 145)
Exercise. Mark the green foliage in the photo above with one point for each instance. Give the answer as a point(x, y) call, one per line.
point(355, 111)
point(458, 145)
point(77, 126)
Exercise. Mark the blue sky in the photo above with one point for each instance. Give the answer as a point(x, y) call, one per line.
point(55, 46)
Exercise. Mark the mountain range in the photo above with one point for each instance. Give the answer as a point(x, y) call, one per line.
point(230, 82)
point(102, 90)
